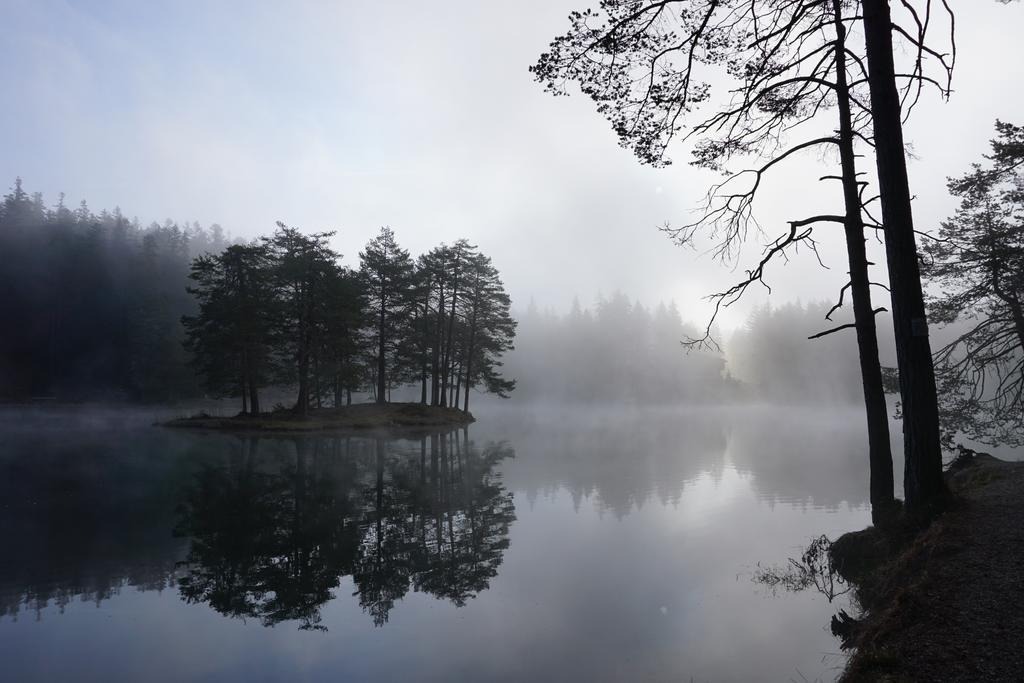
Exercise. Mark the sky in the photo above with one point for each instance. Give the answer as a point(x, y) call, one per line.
point(351, 115)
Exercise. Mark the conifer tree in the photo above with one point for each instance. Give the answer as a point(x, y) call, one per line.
point(229, 337)
point(303, 266)
point(977, 262)
point(387, 273)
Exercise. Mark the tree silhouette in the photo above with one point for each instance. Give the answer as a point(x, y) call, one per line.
point(229, 337)
point(923, 485)
point(387, 273)
point(977, 262)
point(640, 61)
point(303, 269)
point(489, 329)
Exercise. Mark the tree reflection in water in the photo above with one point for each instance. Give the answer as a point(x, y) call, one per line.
point(272, 534)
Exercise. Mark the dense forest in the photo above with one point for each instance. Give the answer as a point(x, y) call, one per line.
point(97, 307)
point(91, 304)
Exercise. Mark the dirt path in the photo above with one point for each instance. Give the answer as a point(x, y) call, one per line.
point(954, 602)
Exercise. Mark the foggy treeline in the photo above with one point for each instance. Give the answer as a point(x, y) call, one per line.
point(773, 355)
point(91, 304)
point(93, 307)
point(620, 351)
point(98, 307)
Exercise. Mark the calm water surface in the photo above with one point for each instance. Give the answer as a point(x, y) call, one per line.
point(555, 546)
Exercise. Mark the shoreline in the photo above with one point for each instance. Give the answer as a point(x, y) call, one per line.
point(362, 417)
point(943, 602)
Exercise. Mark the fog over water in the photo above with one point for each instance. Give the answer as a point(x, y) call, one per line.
point(609, 545)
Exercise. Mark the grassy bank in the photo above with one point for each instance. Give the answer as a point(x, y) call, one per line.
point(944, 603)
point(360, 417)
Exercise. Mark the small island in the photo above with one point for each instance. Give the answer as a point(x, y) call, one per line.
point(358, 417)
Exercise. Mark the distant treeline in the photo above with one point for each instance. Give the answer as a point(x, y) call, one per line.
point(617, 352)
point(621, 351)
point(99, 307)
point(774, 358)
point(91, 305)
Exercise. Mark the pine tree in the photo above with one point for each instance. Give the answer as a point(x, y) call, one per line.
point(977, 261)
point(230, 336)
point(387, 274)
point(489, 329)
point(303, 267)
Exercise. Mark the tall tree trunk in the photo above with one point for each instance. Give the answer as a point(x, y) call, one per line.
point(316, 381)
point(470, 350)
point(879, 449)
point(435, 393)
point(424, 331)
point(448, 351)
point(423, 348)
point(450, 380)
point(458, 386)
point(453, 382)
point(254, 398)
point(245, 397)
point(469, 377)
point(381, 345)
point(250, 382)
point(923, 484)
point(302, 402)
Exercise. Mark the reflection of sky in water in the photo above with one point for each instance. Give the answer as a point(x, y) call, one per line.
point(629, 559)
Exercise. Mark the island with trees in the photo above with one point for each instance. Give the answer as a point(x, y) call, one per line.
point(283, 311)
point(200, 316)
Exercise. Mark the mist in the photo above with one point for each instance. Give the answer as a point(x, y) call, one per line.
point(605, 341)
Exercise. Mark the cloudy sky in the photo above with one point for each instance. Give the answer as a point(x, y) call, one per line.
point(351, 115)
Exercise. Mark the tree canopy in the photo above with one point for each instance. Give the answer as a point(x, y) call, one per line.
point(975, 264)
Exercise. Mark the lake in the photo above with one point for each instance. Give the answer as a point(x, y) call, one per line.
point(550, 545)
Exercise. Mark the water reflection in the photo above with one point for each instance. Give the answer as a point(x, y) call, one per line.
point(630, 529)
point(272, 533)
point(80, 520)
point(623, 460)
point(268, 528)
